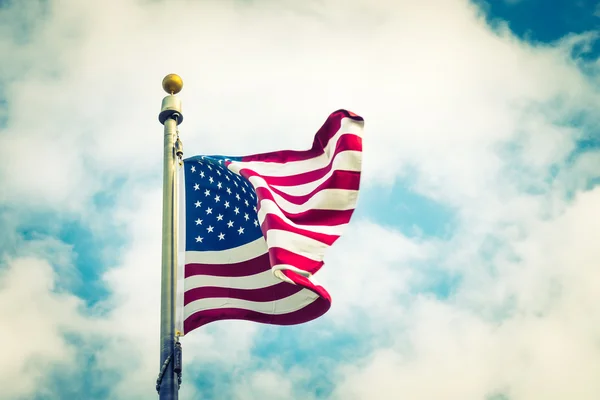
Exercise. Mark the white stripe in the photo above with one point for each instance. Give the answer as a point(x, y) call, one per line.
point(279, 268)
point(230, 256)
point(349, 160)
point(299, 244)
point(286, 305)
point(326, 199)
point(256, 281)
point(267, 206)
point(348, 126)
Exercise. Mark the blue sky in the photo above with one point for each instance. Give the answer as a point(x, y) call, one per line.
point(472, 249)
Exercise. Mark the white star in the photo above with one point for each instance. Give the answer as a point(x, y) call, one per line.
point(237, 196)
point(217, 198)
point(209, 167)
point(210, 179)
point(209, 210)
point(244, 190)
point(207, 192)
point(196, 186)
point(199, 239)
point(218, 172)
point(219, 185)
point(254, 208)
point(226, 204)
point(228, 191)
point(198, 204)
point(236, 210)
point(221, 236)
point(210, 229)
point(198, 221)
point(227, 177)
point(235, 183)
point(246, 217)
point(255, 222)
point(201, 174)
point(220, 161)
point(193, 169)
point(230, 224)
point(241, 230)
point(219, 217)
point(246, 203)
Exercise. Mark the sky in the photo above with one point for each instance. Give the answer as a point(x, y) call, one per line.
point(469, 270)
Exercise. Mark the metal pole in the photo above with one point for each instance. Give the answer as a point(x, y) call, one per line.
point(170, 116)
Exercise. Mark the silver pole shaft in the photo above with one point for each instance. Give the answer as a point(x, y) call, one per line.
point(170, 116)
point(169, 387)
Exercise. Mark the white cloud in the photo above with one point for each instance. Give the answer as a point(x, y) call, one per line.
point(35, 318)
point(525, 327)
point(265, 384)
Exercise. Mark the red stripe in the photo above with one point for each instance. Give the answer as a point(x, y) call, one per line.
point(348, 180)
point(244, 268)
point(320, 217)
point(346, 143)
point(312, 216)
point(330, 127)
point(280, 255)
point(271, 293)
point(273, 221)
point(354, 116)
point(308, 313)
point(302, 281)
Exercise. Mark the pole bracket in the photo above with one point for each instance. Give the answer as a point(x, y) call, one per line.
point(176, 357)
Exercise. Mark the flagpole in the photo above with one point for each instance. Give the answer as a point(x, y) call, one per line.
point(170, 116)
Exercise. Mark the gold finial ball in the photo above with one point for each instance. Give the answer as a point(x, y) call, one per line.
point(172, 83)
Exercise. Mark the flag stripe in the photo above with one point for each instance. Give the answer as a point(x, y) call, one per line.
point(298, 161)
point(302, 245)
point(345, 159)
point(304, 188)
point(296, 170)
point(339, 182)
point(348, 143)
point(268, 207)
point(244, 268)
point(308, 313)
point(326, 199)
point(283, 256)
point(320, 217)
point(335, 179)
point(231, 256)
point(314, 216)
point(274, 222)
point(256, 281)
point(348, 161)
point(271, 293)
point(285, 305)
point(331, 127)
point(307, 283)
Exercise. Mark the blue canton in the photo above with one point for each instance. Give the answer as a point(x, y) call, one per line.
point(220, 206)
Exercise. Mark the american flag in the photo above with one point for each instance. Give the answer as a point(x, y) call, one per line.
point(257, 227)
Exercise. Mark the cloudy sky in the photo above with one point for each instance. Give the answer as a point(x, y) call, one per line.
point(470, 270)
